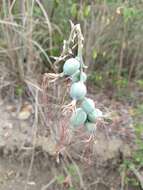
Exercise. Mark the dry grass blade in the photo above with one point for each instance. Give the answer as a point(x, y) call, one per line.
point(12, 5)
point(47, 21)
point(45, 187)
point(35, 127)
point(44, 53)
point(10, 23)
point(138, 175)
point(33, 85)
point(78, 172)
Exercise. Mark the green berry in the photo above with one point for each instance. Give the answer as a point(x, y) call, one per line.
point(71, 66)
point(88, 105)
point(78, 117)
point(79, 76)
point(93, 116)
point(78, 91)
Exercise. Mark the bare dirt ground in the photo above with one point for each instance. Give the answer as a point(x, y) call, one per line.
point(78, 166)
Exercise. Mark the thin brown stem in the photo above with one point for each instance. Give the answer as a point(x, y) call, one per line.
point(122, 53)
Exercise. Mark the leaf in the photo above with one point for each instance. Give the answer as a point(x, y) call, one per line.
point(74, 10)
point(94, 54)
point(60, 179)
point(140, 83)
point(129, 13)
point(71, 188)
point(104, 53)
point(86, 10)
point(72, 170)
point(132, 111)
point(19, 90)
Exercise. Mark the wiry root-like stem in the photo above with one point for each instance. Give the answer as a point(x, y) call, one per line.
point(90, 139)
point(51, 77)
point(70, 107)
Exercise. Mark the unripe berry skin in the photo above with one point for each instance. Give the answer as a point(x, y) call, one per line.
point(71, 66)
point(79, 76)
point(78, 91)
point(93, 116)
point(90, 127)
point(78, 117)
point(88, 105)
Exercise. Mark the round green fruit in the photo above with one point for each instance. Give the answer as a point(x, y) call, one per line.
point(93, 116)
point(78, 91)
point(88, 105)
point(71, 66)
point(79, 76)
point(90, 127)
point(78, 117)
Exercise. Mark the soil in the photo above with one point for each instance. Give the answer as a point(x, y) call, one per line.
point(88, 166)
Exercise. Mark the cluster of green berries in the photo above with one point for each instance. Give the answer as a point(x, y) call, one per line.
point(87, 114)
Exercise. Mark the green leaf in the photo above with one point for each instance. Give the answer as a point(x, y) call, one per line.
point(71, 188)
point(94, 54)
point(74, 10)
point(129, 13)
point(19, 90)
point(60, 179)
point(140, 83)
point(86, 10)
point(72, 170)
